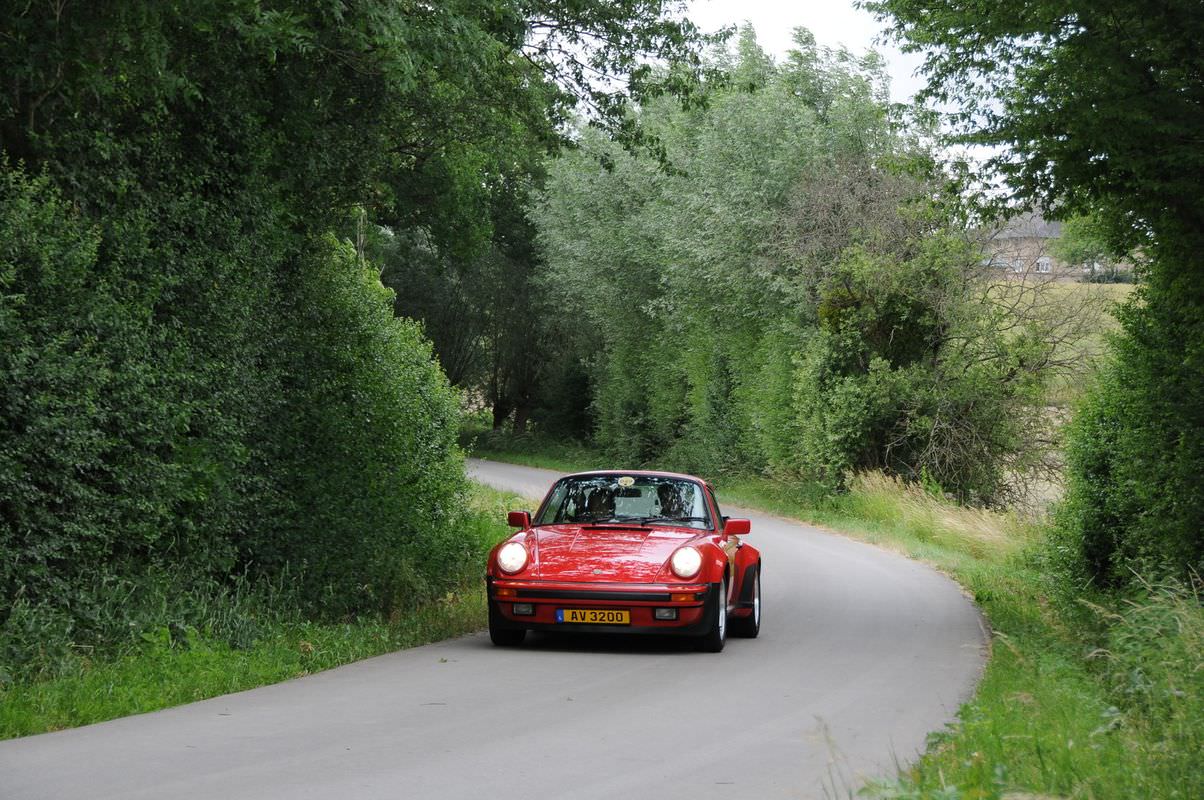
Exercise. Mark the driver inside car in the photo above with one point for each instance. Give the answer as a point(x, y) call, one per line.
point(670, 501)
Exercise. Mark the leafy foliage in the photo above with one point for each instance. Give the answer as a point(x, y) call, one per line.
point(315, 440)
point(197, 381)
point(1098, 109)
point(798, 296)
point(472, 281)
point(1077, 92)
point(367, 455)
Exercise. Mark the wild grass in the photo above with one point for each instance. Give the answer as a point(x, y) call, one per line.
point(978, 532)
point(1084, 696)
point(891, 513)
point(172, 666)
point(531, 449)
point(1056, 717)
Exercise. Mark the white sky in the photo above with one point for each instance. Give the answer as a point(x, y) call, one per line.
point(834, 23)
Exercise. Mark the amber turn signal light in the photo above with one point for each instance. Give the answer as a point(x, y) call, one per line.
point(681, 598)
point(502, 592)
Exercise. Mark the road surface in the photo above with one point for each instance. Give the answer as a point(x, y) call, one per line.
point(862, 653)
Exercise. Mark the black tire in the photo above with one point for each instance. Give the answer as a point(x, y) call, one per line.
point(748, 627)
point(713, 640)
point(500, 635)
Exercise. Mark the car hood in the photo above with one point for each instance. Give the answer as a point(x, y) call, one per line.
point(607, 552)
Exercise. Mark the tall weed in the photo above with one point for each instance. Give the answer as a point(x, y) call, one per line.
point(1154, 668)
point(929, 516)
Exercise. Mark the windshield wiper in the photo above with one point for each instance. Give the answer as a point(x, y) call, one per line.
point(647, 520)
point(626, 519)
point(611, 520)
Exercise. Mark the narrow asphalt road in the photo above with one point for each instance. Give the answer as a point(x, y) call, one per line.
point(862, 653)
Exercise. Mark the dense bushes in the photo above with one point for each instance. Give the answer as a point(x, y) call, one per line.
point(273, 423)
point(366, 452)
point(188, 368)
point(798, 296)
point(124, 435)
point(1135, 499)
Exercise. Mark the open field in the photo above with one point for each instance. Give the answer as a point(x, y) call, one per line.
point(1096, 303)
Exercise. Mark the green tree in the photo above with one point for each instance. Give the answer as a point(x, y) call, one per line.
point(797, 296)
point(471, 277)
point(1098, 109)
point(1086, 243)
point(194, 377)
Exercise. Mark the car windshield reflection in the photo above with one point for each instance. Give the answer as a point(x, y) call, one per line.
point(626, 499)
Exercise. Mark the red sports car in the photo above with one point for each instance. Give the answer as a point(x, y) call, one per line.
point(626, 552)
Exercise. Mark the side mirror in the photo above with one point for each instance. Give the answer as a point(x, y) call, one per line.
point(736, 527)
point(519, 519)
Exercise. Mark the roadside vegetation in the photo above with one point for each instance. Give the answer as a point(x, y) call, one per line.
point(248, 637)
point(800, 312)
point(219, 439)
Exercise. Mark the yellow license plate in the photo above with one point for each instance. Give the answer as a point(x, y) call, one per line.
point(594, 616)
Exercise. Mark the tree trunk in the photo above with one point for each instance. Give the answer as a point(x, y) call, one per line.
point(521, 413)
point(500, 412)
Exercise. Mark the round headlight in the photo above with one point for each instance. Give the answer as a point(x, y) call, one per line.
point(512, 557)
point(686, 562)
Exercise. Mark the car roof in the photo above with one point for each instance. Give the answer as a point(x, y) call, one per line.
point(647, 473)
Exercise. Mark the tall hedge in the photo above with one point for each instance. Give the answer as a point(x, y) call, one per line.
point(1134, 507)
point(199, 389)
point(363, 444)
point(273, 420)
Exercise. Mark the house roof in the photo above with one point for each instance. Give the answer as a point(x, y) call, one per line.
point(1029, 225)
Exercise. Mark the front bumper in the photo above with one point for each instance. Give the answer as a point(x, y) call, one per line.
point(694, 616)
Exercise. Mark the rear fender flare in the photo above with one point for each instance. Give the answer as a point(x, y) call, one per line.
point(744, 596)
point(748, 563)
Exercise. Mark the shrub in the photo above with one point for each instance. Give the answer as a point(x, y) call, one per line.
point(366, 449)
point(113, 463)
point(178, 418)
point(1135, 497)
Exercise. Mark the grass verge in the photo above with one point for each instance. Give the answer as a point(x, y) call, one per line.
point(171, 668)
point(529, 450)
point(1083, 696)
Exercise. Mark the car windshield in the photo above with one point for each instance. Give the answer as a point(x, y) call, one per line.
point(647, 499)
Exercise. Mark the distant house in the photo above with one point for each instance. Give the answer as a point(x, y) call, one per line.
point(1022, 246)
